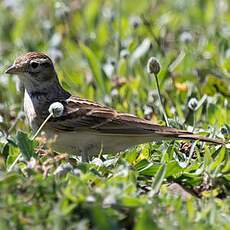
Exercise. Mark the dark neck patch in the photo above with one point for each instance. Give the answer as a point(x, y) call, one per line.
point(37, 94)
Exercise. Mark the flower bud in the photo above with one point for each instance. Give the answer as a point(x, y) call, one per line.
point(153, 66)
point(56, 109)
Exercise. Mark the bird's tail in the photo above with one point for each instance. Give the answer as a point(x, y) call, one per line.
point(173, 133)
point(200, 138)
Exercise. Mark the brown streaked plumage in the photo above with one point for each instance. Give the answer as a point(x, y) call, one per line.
point(29, 56)
point(85, 127)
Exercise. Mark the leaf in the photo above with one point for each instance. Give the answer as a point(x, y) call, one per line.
point(190, 208)
point(227, 177)
point(173, 168)
point(25, 145)
point(218, 160)
point(131, 155)
point(94, 66)
point(13, 152)
point(141, 165)
point(5, 151)
point(149, 169)
point(122, 67)
point(66, 207)
point(101, 219)
point(158, 179)
point(145, 221)
point(215, 85)
point(132, 201)
point(8, 179)
point(213, 112)
point(7, 147)
point(140, 51)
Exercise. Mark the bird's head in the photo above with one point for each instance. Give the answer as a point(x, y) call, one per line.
point(33, 68)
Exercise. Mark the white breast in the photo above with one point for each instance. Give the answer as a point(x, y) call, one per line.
point(30, 111)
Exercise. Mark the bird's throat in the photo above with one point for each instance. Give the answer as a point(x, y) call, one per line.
point(45, 93)
point(38, 94)
point(37, 101)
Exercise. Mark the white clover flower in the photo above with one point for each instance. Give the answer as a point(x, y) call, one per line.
point(192, 104)
point(56, 109)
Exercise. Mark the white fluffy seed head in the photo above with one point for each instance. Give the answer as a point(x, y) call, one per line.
point(193, 103)
point(56, 109)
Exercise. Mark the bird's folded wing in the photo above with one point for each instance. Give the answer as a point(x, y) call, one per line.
point(83, 115)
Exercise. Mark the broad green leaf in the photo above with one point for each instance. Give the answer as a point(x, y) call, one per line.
point(150, 169)
point(12, 154)
point(8, 179)
point(132, 201)
point(26, 145)
point(215, 85)
point(101, 219)
point(145, 221)
point(218, 160)
point(173, 168)
point(141, 165)
point(131, 155)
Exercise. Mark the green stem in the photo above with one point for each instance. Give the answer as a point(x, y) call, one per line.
point(191, 152)
point(42, 125)
point(35, 135)
point(162, 107)
point(119, 31)
point(14, 163)
point(194, 121)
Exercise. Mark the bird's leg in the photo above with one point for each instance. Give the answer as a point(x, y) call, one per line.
point(102, 158)
point(84, 156)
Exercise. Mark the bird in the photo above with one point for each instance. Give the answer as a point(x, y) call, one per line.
point(85, 127)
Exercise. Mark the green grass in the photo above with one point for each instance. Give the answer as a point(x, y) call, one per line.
point(101, 49)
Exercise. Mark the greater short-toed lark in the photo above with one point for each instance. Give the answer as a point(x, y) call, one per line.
point(85, 127)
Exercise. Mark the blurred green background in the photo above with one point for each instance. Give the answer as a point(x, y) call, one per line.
point(100, 49)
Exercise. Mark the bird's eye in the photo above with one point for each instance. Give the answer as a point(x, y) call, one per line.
point(34, 64)
point(46, 64)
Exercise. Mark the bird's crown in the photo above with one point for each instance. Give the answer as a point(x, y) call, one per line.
point(30, 56)
point(32, 62)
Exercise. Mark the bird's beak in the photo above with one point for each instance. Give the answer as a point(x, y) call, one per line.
point(14, 69)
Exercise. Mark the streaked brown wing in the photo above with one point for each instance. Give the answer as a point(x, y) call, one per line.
point(84, 115)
